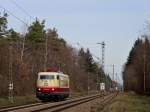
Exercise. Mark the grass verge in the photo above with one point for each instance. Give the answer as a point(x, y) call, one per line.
point(126, 102)
point(18, 100)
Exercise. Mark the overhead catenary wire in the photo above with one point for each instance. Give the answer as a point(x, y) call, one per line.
point(21, 8)
point(14, 16)
point(9, 12)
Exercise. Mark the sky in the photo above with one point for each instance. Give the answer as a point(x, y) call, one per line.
point(116, 22)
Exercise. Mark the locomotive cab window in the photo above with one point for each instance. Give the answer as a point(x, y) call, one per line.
point(42, 77)
point(57, 77)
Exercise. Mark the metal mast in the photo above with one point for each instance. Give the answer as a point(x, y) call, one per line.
point(144, 63)
point(46, 53)
point(10, 74)
point(103, 54)
point(113, 78)
point(10, 67)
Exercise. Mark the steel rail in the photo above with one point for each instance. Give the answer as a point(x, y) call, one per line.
point(66, 105)
point(6, 109)
point(11, 108)
point(54, 107)
point(109, 99)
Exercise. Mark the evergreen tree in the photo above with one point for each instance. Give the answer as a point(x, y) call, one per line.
point(137, 66)
point(36, 31)
point(81, 52)
point(90, 64)
point(132, 53)
point(3, 22)
point(14, 35)
point(56, 42)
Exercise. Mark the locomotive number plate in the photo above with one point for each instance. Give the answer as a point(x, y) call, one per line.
point(45, 83)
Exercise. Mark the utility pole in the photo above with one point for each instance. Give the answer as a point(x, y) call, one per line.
point(113, 72)
point(144, 68)
point(88, 84)
point(22, 51)
point(25, 26)
point(144, 63)
point(103, 58)
point(10, 74)
point(103, 54)
point(46, 52)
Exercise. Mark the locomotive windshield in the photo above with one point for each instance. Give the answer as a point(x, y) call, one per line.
point(46, 77)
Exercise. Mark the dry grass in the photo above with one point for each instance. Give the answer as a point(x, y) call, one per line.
point(126, 102)
point(18, 100)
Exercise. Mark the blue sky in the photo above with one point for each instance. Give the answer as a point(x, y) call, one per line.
point(117, 22)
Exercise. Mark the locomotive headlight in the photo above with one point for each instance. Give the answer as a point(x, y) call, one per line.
point(53, 89)
point(39, 89)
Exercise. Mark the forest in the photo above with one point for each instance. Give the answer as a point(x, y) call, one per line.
point(136, 73)
point(22, 56)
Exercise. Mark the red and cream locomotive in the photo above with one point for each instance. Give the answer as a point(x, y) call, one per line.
point(52, 85)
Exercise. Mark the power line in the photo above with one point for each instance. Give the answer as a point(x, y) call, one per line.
point(22, 52)
point(14, 15)
point(21, 8)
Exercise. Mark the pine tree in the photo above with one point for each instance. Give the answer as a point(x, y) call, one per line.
point(3, 22)
point(14, 35)
point(90, 65)
point(36, 31)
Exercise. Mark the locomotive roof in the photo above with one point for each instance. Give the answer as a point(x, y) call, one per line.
point(52, 73)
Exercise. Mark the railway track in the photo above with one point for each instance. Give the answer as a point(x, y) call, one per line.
point(67, 104)
point(109, 99)
point(19, 107)
point(103, 102)
point(56, 106)
point(5, 109)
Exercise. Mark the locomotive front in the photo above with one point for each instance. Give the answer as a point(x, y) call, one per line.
point(52, 85)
